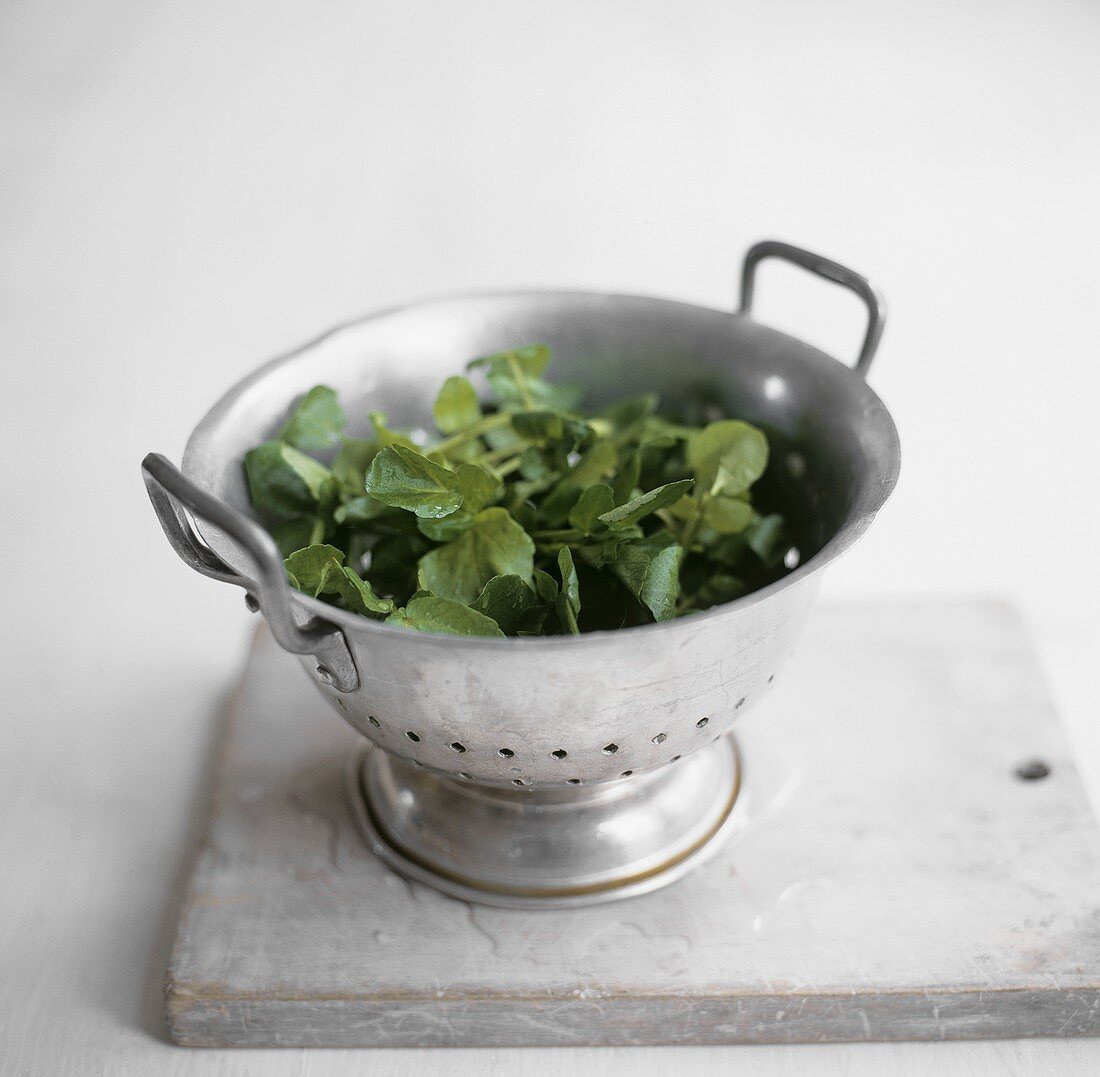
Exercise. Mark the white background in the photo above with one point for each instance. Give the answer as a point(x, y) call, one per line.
point(190, 188)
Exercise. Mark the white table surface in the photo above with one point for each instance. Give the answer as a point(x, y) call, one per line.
point(187, 189)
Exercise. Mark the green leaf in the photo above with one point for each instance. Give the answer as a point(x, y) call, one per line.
point(285, 482)
point(720, 587)
point(768, 539)
point(597, 463)
point(518, 364)
point(592, 507)
point(478, 486)
point(312, 570)
point(351, 461)
point(494, 546)
point(727, 457)
point(320, 570)
point(359, 511)
point(568, 603)
point(385, 436)
point(446, 528)
point(508, 600)
point(546, 586)
point(623, 414)
point(639, 507)
point(401, 477)
point(650, 568)
point(316, 422)
point(430, 613)
point(393, 561)
point(516, 378)
point(291, 535)
point(687, 509)
point(552, 427)
point(727, 515)
point(456, 407)
point(359, 596)
point(538, 466)
point(627, 479)
point(657, 433)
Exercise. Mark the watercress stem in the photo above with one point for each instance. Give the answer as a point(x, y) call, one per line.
point(691, 529)
point(482, 426)
point(521, 382)
point(494, 456)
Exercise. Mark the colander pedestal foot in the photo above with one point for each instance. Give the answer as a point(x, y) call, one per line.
point(548, 847)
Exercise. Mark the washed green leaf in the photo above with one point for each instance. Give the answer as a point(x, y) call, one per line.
point(568, 602)
point(727, 515)
point(727, 457)
point(495, 545)
point(320, 570)
point(509, 600)
point(403, 478)
point(284, 482)
point(590, 512)
point(650, 568)
point(385, 436)
point(312, 570)
point(360, 511)
point(316, 422)
point(430, 613)
point(351, 461)
point(638, 508)
point(456, 407)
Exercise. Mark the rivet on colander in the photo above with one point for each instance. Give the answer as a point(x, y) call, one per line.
point(701, 723)
point(660, 738)
point(560, 753)
point(610, 749)
point(456, 746)
point(412, 736)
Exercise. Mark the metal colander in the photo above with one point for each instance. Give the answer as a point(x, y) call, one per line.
point(505, 764)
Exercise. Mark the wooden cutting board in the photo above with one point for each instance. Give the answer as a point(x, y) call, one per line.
point(893, 877)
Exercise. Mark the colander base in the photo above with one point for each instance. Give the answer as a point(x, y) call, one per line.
point(546, 848)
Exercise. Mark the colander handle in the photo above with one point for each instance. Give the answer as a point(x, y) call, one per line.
point(823, 267)
point(171, 493)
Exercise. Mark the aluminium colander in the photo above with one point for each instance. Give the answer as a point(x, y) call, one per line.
point(562, 770)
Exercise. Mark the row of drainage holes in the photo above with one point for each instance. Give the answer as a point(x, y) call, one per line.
point(558, 753)
point(608, 749)
point(569, 781)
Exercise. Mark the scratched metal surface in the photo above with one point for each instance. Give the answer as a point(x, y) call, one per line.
point(892, 878)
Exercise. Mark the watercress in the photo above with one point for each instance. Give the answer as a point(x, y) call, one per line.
point(524, 517)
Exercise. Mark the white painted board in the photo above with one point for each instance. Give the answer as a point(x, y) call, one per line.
point(892, 879)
